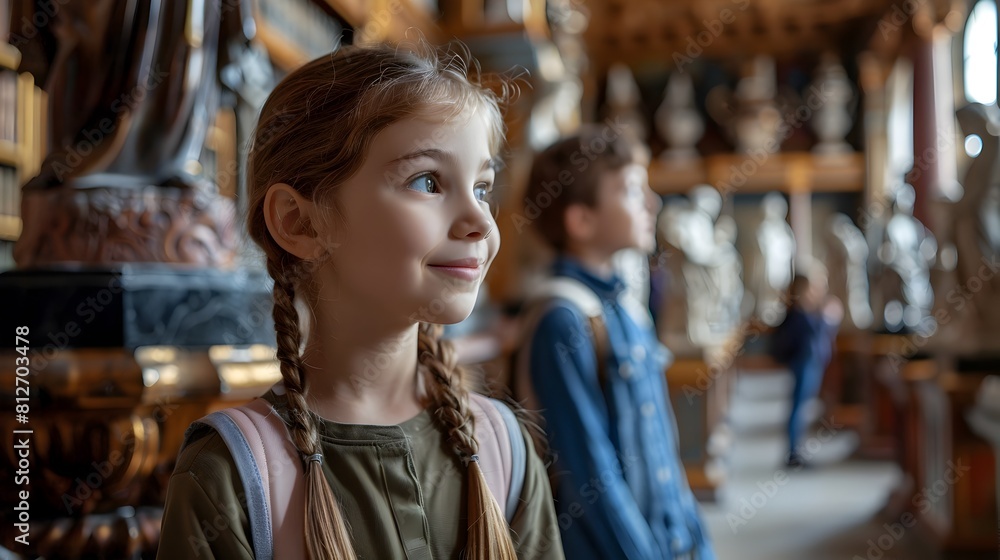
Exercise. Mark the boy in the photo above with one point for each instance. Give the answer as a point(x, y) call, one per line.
point(597, 374)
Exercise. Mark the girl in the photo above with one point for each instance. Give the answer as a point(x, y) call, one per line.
point(369, 177)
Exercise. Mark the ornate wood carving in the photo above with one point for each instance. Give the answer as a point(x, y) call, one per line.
point(105, 225)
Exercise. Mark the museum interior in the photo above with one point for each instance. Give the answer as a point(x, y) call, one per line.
point(858, 138)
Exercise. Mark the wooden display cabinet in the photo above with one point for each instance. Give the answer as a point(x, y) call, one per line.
point(22, 143)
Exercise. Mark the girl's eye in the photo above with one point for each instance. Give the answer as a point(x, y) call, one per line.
point(424, 183)
point(483, 191)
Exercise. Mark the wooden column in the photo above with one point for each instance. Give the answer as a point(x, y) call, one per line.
point(934, 173)
point(922, 176)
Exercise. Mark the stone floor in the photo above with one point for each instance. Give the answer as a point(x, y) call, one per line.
point(830, 511)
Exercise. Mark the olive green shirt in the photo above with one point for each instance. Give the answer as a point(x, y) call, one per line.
point(401, 489)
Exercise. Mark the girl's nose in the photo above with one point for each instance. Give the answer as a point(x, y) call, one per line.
point(474, 220)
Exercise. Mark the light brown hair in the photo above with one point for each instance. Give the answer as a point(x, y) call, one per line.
point(314, 133)
point(570, 171)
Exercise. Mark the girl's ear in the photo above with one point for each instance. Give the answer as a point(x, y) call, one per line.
point(289, 219)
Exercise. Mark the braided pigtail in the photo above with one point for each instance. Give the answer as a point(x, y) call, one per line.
point(326, 532)
point(488, 533)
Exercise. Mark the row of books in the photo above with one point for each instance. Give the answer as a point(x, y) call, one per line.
point(312, 30)
point(10, 192)
point(8, 105)
point(6, 255)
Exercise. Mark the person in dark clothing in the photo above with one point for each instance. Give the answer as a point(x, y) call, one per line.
point(804, 342)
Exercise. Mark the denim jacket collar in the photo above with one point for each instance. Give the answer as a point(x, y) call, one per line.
point(605, 288)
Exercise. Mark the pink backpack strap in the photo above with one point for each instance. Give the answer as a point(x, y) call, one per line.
point(271, 473)
point(501, 450)
point(274, 482)
point(281, 468)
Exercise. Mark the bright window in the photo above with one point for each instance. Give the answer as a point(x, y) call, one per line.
point(981, 53)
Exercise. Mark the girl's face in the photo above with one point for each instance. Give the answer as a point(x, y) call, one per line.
point(417, 235)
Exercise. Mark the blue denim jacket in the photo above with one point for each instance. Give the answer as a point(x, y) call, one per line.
point(620, 490)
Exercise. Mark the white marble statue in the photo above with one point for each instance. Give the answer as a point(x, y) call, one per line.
point(702, 307)
point(847, 262)
point(906, 254)
point(774, 266)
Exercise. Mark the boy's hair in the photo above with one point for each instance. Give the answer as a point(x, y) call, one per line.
point(808, 272)
point(800, 284)
point(570, 172)
point(314, 133)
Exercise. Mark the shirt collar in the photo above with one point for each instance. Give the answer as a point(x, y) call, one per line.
point(605, 288)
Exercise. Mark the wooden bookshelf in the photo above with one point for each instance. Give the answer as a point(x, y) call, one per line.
point(284, 54)
point(10, 57)
point(464, 18)
point(373, 21)
point(405, 19)
point(354, 12)
point(10, 153)
point(23, 116)
point(296, 31)
point(10, 228)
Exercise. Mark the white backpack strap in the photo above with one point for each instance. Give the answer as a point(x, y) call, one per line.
point(567, 288)
point(539, 301)
point(271, 473)
point(501, 451)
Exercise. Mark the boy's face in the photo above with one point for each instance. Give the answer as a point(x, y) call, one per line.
point(417, 236)
point(810, 294)
point(626, 210)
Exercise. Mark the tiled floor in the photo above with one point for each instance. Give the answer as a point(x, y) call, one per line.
point(828, 512)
